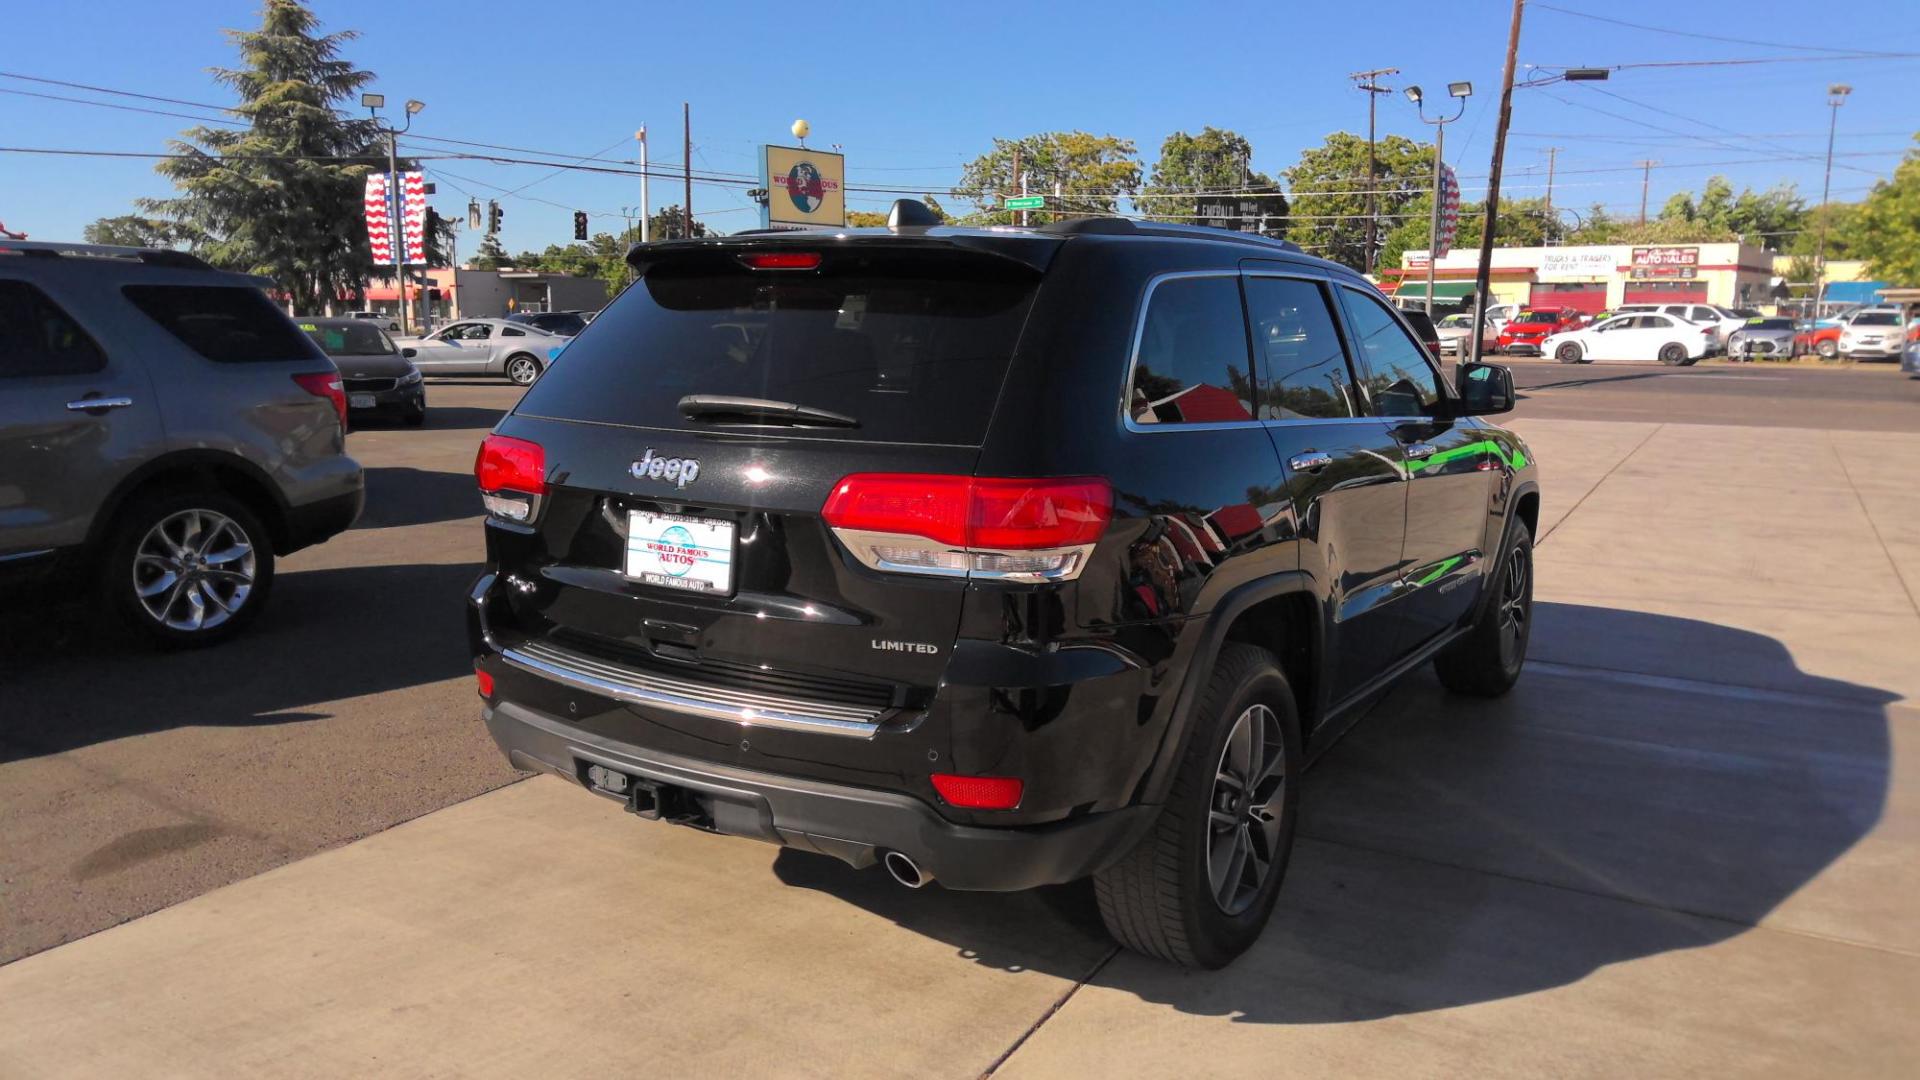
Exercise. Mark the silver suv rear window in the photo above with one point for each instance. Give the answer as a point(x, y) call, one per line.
point(228, 324)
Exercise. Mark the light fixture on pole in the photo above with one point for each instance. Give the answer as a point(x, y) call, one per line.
point(1836, 97)
point(374, 103)
point(1461, 91)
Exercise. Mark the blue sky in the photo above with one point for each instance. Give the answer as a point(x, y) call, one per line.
point(914, 90)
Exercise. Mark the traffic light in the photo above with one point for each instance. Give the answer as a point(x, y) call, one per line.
point(579, 224)
point(494, 214)
point(433, 231)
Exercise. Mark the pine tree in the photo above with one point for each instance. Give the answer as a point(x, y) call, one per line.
point(283, 195)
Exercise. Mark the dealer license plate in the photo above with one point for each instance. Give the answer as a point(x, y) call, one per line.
point(679, 552)
point(360, 401)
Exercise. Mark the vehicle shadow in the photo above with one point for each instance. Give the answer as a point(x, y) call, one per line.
point(397, 496)
point(1455, 851)
point(325, 635)
point(439, 418)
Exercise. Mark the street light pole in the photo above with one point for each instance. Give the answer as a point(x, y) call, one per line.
point(1461, 91)
point(1836, 97)
point(645, 229)
point(1483, 276)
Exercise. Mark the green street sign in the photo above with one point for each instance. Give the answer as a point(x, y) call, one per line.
point(1027, 202)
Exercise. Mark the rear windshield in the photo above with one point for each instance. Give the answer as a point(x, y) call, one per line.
point(349, 338)
point(228, 324)
point(913, 346)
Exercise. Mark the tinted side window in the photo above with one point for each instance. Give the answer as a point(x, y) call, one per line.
point(508, 331)
point(228, 324)
point(1303, 370)
point(37, 338)
point(1192, 365)
point(1398, 378)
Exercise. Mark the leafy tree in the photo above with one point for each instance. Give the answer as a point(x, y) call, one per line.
point(491, 255)
point(669, 223)
point(1843, 232)
point(283, 196)
point(133, 230)
point(1523, 223)
point(1768, 218)
point(1092, 170)
point(1329, 189)
point(1214, 160)
point(1888, 231)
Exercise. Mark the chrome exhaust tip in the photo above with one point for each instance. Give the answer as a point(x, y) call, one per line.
point(905, 870)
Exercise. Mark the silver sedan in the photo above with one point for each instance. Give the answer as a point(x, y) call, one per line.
point(1762, 339)
point(484, 347)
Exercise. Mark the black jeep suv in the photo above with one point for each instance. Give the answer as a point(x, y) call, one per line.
point(1004, 557)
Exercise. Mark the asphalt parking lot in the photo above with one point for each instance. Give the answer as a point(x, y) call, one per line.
point(1688, 842)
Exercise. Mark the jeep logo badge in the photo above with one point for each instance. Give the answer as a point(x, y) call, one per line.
point(682, 471)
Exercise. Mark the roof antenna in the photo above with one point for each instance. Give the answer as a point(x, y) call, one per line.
point(909, 213)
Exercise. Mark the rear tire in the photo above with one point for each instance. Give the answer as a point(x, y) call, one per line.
point(187, 568)
point(1198, 889)
point(1486, 661)
point(1673, 354)
point(1827, 350)
point(524, 370)
point(1569, 352)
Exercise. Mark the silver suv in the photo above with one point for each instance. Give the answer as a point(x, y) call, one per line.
point(165, 433)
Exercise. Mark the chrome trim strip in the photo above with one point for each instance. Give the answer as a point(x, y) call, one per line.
point(715, 703)
point(10, 557)
point(861, 544)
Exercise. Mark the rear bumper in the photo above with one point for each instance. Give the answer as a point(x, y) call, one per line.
point(400, 401)
point(313, 522)
point(855, 825)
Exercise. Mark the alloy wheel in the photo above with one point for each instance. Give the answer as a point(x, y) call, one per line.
point(522, 370)
point(1514, 605)
point(194, 570)
point(1245, 815)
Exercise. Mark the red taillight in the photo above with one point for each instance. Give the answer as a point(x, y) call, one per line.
point(508, 464)
point(485, 682)
point(973, 512)
point(964, 526)
point(512, 474)
point(979, 792)
point(780, 260)
point(327, 385)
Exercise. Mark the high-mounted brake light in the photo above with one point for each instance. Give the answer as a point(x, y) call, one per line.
point(781, 260)
point(512, 474)
point(979, 792)
point(965, 526)
point(327, 385)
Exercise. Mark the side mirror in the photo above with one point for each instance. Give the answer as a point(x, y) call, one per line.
point(409, 353)
point(1485, 389)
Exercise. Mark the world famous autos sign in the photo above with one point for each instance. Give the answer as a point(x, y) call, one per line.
point(804, 187)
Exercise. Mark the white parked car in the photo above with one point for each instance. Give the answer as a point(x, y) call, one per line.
point(1872, 335)
point(484, 347)
point(1723, 320)
point(1667, 338)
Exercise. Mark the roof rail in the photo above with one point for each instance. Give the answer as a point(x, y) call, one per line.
point(1119, 226)
point(150, 256)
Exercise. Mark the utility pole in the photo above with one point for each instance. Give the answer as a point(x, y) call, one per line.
point(645, 202)
point(1836, 97)
point(686, 122)
point(1369, 82)
point(1482, 278)
point(1019, 179)
point(1552, 152)
point(1646, 177)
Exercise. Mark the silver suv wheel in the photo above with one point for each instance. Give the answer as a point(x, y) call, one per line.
point(194, 570)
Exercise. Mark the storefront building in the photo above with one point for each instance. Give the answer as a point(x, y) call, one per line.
point(1593, 278)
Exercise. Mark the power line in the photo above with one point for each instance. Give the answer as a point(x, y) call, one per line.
point(1713, 37)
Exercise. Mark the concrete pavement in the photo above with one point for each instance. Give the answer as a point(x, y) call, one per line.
point(1686, 844)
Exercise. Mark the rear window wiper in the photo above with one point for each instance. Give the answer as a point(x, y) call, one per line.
point(717, 406)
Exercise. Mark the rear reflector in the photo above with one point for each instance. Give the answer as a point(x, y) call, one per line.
point(485, 682)
point(512, 474)
point(781, 260)
point(1025, 530)
point(979, 792)
point(327, 385)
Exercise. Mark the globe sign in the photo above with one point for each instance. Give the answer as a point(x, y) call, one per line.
point(804, 187)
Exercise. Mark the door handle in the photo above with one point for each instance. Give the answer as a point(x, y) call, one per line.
point(98, 404)
point(1421, 450)
point(1311, 461)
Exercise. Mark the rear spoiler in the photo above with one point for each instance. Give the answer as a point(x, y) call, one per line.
point(1026, 249)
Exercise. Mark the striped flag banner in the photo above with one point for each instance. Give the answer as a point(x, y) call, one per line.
point(1449, 212)
point(379, 227)
point(413, 214)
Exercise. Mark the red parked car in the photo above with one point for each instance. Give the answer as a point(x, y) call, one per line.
point(1524, 333)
